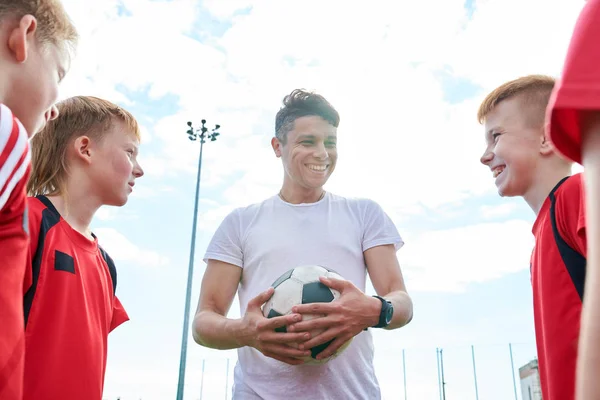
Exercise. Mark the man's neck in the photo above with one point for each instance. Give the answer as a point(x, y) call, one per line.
point(298, 196)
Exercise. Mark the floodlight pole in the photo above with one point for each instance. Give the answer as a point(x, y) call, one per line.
point(193, 135)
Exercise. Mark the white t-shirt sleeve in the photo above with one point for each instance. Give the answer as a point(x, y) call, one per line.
point(378, 228)
point(225, 244)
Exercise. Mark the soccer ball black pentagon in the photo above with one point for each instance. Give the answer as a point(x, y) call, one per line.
point(301, 285)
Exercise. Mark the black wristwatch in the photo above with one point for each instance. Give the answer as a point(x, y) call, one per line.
point(387, 312)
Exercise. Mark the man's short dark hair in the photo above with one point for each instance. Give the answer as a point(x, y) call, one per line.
point(301, 103)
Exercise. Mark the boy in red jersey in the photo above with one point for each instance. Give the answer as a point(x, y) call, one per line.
point(84, 159)
point(524, 163)
point(35, 37)
point(573, 118)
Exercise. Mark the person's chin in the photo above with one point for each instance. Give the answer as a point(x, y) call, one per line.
point(508, 190)
point(318, 184)
point(117, 201)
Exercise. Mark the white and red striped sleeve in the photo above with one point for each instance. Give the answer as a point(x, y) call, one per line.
point(15, 155)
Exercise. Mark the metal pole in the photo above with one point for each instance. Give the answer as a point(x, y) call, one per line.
point(442, 369)
point(404, 373)
point(512, 366)
point(186, 315)
point(474, 372)
point(227, 380)
point(437, 357)
point(202, 380)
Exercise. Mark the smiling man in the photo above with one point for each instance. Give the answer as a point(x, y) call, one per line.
point(524, 163)
point(303, 224)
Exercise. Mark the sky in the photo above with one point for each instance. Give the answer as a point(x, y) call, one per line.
point(407, 78)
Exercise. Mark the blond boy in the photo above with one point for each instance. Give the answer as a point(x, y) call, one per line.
point(84, 159)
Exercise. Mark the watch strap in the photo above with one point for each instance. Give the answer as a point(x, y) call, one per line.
point(385, 305)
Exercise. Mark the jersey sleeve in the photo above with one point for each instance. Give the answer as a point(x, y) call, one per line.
point(378, 227)
point(15, 156)
point(570, 214)
point(225, 244)
point(578, 89)
point(119, 314)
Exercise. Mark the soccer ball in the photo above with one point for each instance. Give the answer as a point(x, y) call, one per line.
point(301, 285)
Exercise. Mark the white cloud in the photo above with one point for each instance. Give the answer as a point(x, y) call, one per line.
point(106, 214)
point(226, 9)
point(146, 49)
point(148, 190)
point(509, 38)
point(398, 136)
point(122, 249)
point(500, 211)
point(109, 213)
point(449, 260)
point(209, 220)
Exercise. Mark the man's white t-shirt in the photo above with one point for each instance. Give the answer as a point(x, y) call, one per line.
point(268, 239)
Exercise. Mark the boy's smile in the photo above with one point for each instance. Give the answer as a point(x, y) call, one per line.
point(496, 171)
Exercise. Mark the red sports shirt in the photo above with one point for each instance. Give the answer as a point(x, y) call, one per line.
point(579, 87)
point(557, 275)
point(70, 307)
point(14, 241)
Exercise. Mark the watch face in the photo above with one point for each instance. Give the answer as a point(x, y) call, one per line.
point(389, 314)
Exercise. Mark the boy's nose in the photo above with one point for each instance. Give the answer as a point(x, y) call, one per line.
point(486, 157)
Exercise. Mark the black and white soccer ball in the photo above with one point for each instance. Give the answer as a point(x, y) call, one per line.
point(301, 285)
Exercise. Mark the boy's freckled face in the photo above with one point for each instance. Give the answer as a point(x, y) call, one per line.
point(512, 148)
point(115, 167)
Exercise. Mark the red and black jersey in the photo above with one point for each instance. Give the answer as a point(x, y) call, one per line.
point(558, 267)
point(14, 243)
point(70, 307)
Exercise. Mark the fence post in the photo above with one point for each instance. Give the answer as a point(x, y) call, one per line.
point(404, 373)
point(474, 372)
point(227, 380)
point(512, 366)
point(202, 380)
point(437, 357)
point(442, 369)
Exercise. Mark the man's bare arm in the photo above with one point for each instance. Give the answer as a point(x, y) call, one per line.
point(386, 276)
point(211, 328)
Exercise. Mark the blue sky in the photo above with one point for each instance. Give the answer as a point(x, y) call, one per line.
point(407, 83)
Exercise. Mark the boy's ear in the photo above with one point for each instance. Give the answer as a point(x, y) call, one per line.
point(20, 36)
point(546, 147)
point(82, 146)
